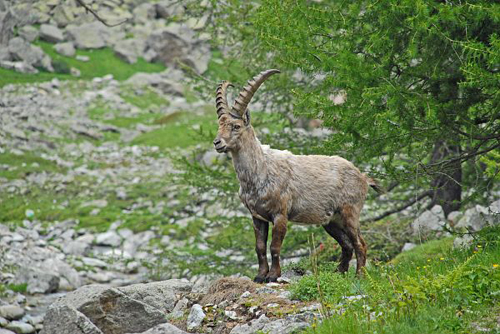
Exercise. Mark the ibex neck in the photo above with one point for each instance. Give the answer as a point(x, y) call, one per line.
point(249, 162)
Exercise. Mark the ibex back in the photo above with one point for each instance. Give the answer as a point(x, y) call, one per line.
point(278, 186)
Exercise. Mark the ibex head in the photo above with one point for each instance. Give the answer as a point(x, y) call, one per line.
point(234, 123)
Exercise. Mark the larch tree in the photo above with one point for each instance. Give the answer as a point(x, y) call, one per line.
point(412, 84)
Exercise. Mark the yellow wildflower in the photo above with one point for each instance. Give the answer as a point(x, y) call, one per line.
point(441, 258)
point(495, 265)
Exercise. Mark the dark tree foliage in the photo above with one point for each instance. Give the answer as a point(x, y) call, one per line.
point(411, 86)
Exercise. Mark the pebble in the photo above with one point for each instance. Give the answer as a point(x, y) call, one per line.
point(21, 327)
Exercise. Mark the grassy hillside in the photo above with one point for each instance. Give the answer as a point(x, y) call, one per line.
point(101, 62)
point(429, 289)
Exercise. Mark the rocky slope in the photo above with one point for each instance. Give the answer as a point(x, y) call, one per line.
point(149, 30)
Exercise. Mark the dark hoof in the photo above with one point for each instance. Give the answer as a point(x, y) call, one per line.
point(341, 270)
point(270, 279)
point(259, 279)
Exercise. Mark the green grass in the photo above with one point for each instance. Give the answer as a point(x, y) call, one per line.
point(179, 132)
point(102, 62)
point(429, 289)
point(144, 100)
point(19, 166)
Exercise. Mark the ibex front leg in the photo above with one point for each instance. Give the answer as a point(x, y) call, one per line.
point(261, 229)
point(279, 232)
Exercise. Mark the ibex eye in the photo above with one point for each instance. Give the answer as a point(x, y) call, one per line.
point(236, 127)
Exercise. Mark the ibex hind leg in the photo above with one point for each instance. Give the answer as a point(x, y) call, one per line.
point(341, 237)
point(350, 219)
point(261, 229)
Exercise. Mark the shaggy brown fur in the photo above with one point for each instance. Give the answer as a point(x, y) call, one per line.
point(278, 186)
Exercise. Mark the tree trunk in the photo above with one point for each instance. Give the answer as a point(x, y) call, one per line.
point(446, 184)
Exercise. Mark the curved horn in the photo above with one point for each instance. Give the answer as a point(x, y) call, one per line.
point(221, 98)
point(246, 94)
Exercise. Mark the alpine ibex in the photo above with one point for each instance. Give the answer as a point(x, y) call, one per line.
point(278, 186)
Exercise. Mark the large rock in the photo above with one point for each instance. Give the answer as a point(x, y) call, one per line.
point(30, 54)
point(168, 8)
point(88, 35)
point(7, 24)
point(144, 13)
point(177, 43)
point(37, 280)
point(108, 309)
point(66, 49)
point(64, 271)
point(130, 49)
point(109, 238)
point(51, 33)
point(20, 327)
point(429, 221)
point(161, 295)
point(474, 219)
point(29, 33)
point(11, 312)
point(195, 317)
point(63, 319)
point(494, 212)
point(100, 309)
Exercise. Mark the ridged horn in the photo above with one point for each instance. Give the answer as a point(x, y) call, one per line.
point(221, 98)
point(246, 94)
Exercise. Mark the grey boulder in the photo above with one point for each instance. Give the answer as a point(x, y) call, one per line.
point(66, 49)
point(51, 33)
point(161, 295)
point(11, 312)
point(88, 35)
point(108, 309)
point(32, 55)
point(429, 221)
point(63, 319)
point(20, 327)
point(37, 280)
point(100, 309)
point(29, 33)
point(195, 317)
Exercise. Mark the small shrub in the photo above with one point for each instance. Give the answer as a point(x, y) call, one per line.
point(61, 67)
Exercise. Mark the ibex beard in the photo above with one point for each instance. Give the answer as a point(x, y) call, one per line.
point(278, 186)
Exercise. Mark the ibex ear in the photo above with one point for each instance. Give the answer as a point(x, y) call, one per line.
point(246, 118)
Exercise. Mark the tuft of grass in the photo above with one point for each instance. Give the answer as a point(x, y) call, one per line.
point(21, 288)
